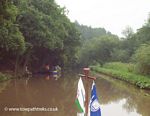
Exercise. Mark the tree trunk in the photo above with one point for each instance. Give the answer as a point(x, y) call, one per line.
point(26, 61)
point(16, 66)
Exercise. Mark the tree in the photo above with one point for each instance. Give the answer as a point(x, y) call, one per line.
point(47, 30)
point(34, 32)
point(142, 59)
point(89, 32)
point(128, 32)
point(11, 39)
point(98, 50)
point(120, 55)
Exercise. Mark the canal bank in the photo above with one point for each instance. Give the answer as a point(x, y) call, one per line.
point(120, 98)
point(137, 80)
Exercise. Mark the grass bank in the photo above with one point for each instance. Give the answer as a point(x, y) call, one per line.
point(4, 77)
point(123, 72)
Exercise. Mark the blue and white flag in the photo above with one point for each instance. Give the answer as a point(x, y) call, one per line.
point(94, 104)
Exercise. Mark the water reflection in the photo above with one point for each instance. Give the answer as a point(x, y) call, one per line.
point(3, 85)
point(131, 99)
point(116, 108)
point(40, 92)
point(116, 98)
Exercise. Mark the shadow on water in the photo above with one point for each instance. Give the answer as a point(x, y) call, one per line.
point(115, 97)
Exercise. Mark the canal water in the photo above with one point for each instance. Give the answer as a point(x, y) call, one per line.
point(40, 96)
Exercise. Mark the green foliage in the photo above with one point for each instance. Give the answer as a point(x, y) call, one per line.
point(143, 35)
point(126, 67)
point(128, 32)
point(38, 31)
point(120, 55)
point(88, 33)
point(142, 59)
point(4, 77)
point(50, 33)
point(98, 50)
point(11, 38)
point(34, 32)
point(138, 80)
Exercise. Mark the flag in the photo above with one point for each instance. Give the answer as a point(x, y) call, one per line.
point(80, 99)
point(94, 104)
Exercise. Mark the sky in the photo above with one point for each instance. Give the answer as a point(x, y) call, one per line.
point(113, 15)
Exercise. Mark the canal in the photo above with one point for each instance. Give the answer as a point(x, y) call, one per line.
point(39, 96)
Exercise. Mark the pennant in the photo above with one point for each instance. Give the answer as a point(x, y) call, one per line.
point(94, 104)
point(80, 99)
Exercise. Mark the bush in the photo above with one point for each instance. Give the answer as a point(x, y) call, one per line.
point(127, 67)
point(142, 59)
point(4, 77)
